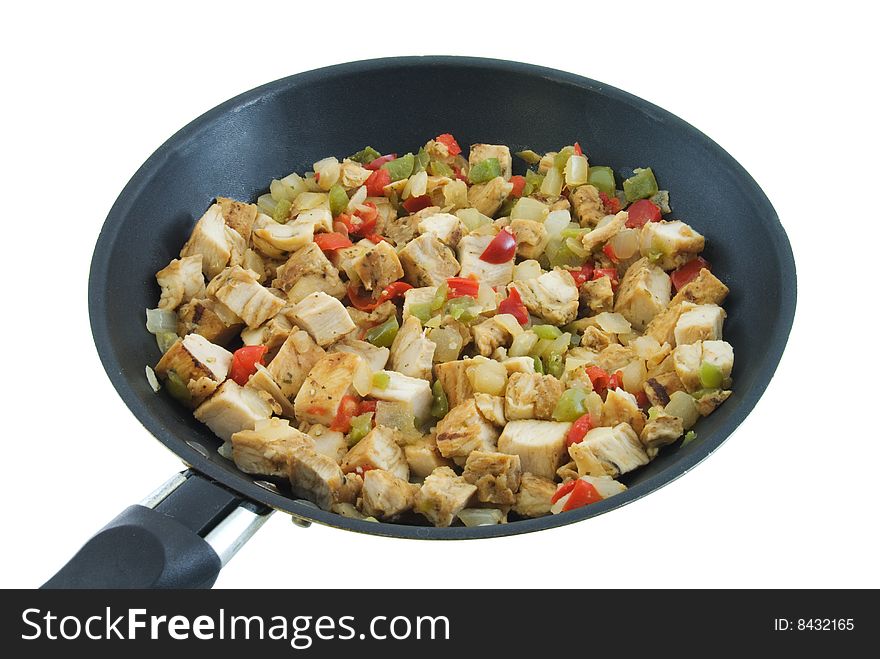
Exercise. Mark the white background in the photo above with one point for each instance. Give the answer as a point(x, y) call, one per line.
point(790, 500)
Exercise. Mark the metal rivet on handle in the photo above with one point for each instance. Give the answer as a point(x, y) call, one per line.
point(300, 522)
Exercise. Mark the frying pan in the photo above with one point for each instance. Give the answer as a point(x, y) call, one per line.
point(182, 534)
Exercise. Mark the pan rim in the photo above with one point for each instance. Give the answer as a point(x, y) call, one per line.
point(110, 231)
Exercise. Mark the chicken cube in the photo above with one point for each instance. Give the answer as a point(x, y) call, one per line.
point(367, 320)
point(491, 334)
point(597, 295)
point(353, 174)
point(720, 355)
point(488, 197)
point(587, 205)
point(553, 296)
point(702, 323)
point(540, 445)
point(464, 430)
point(413, 391)
point(327, 383)
point(378, 266)
point(531, 396)
point(290, 367)
point(709, 402)
point(643, 293)
point(209, 240)
point(378, 450)
point(307, 271)
point(596, 238)
point(662, 326)
point(181, 281)
point(385, 496)
point(535, 496)
point(261, 380)
point(445, 226)
point(662, 430)
point(481, 152)
point(470, 248)
point(519, 365)
point(268, 448)
point(442, 496)
point(496, 475)
point(423, 457)
point(238, 216)
point(491, 407)
point(412, 353)
point(670, 244)
point(272, 334)
point(609, 451)
point(233, 408)
point(427, 261)
point(209, 318)
point(318, 478)
point(198, 363)
point(331, 443)
point(455, 382)
point(375, 356)
point(687, 359)
point(622, 407)
point(705, 288)
point(323, 317)
point(344, 258)
point(531, 237)
point(240, 291)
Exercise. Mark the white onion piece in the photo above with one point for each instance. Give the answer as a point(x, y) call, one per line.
point(152, 379)
point(266, 203)
point(576, 171)
point(557, 507)
point(634, 375)
point(161, 320)
point(311, 200)
point(328, 170)
point(683, 406)
point(625, 243)
point(605, 220)
point(165, 340)
point(417, 184)
point(523, 344)
point(363, 378)
point(645, 346)
point(509, 323)
point(552, 183)
point(556, 222)
point(480, 516)
point(359, 197)
point(488, 377)
point(472, 218)
point(449, 344)
point(225, 450)
point(605, 485)
point(613, 322)
point(528, 269)
point(527, 208)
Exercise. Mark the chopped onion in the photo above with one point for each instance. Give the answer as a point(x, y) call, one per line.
point(625, 243)
point(523, 344)
point(225, 450)
point(510, 323)
point(557, 507)
point(634, 375)
point(682, 405)
point(161, 320)
point(472, 218)
point(552, 183)
point(153, 380)
point(594, 404)
point(296, 182)
point(311, 200)
point(576, 171)
point(449, 343)
point(645, 346)
point(605, 220)
point(613, 322)
point(363, 378)
point(576, 247)
point(165, 340)
point(605, 485)
point(417, 185)
point(527, 208)
point(266, 204)
point(481, 516)
point(487, 299)
point(359, 197)
point(528, 269)
point(328, 170)
point(396, 415)
point(488, 377)
point(556, 222)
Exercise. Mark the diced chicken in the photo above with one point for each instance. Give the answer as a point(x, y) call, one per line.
point(661, 431)
point(261, 380)
point(531, 396)
point(535, 496)
point(491, 407)
point(318, 478)
point(598, 295)
point(237, 247)
point(447, 227)
point(378, 267)
point(657, 394)
point(412, 353)
point(328, 381)
point(464, 430)
point(454, 380)
point(385, 496)
point(720, 355)
point(596, 340)
point(643, 293)
point(417, 296)
point(519, 365)
point(670, 244)
point(323, 317)
point(622, 407)
point(352, 174)
point(481, 152)
point(708, 403)
point(255, 263)
point(442, 496)
point(377, 316)
point(307, 271)
point(200, 364)
point(705, 288)
point(378, 450)
point(331, 443)
point(596, 238)
point(238, 216)
point(240, 291)
point(375, 356)
point(496, 475)
point(233, 408)
point(209, 240)
point(274, 239)
point(687, 359)
point(552, 297)
point(180, 281)
point(296, 358)
point(212, 319)
point(531, 237)
point(540, 445)
point(615, 357)
point(344, 258)
point(587, 205)
point(490, 334)
point(428, 262)
point(268, 449)
point(488, 197)
point(609, 451)
point(400, 230)
point(423, 457)
point(401, 388)
point(702, 323)
point(272, 334)
point(662, 327)
point(470, 248)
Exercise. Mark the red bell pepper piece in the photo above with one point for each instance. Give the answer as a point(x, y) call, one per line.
point(579, 429)
point(582, 494)
point(381, 160)
point(688, 272)
point(348, 408)
point(364, 302)
point(611, 273)
point(598, 377)
point(364, 221)
point(366, 406)
point(461, 286)
point(341, 227)
point(577, 149)
point(641, 212)
point(415, 204)
point(515, 307)
point(502, 248)
point(244, 363)
point(615, 381)
point(642, 400)
point(582, 274)
point(458, 174)
point(612, 204)
point(449, 142)
point(377, 181)
point(375, 238)
point(562, 490)
point(519, 184)
point(608, 250)
point(332, 241)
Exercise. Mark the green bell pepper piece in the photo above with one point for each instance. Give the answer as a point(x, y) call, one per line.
point(563, 256)
point(282, 211)
point(602, 178)
point(485, 170)
point(383, 335)
point(462, 308)
point(365, 155)
point(338, 199)
point(547, 331)
point(422, 160)
point(710, 376)
point(562, 157)
point(177, 387)
point(555, 365)
point(572, 405)
point(440, 297)
point(400, 168)
point(539, 365)
point(529, 156)
point(439, 402)
point(689, 436)
point(421, 310)
point(437, 168)
point(361, 425)
point(381, 380)
point(641, 185)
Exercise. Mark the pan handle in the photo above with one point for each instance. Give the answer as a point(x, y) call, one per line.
point(178, 537)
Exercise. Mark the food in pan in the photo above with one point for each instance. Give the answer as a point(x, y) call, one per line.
point(430, 338)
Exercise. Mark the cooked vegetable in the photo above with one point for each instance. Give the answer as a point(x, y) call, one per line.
point(439, 403)
point(383, 335)
point(244, 362)
point(602, 178)
point(484, 171)
point(501, 249)
point(641, 185)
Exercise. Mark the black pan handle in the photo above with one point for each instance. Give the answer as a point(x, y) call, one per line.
point(179, 537)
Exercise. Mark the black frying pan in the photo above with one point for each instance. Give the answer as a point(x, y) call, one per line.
point(395, 104)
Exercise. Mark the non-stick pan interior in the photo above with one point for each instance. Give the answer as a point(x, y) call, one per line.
point(396, 105)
